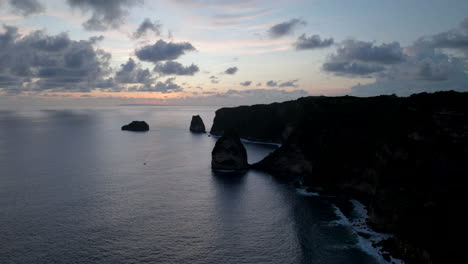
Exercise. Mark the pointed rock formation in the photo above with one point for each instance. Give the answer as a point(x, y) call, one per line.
point(229, 153)
point(136, 126)
point(197, 125)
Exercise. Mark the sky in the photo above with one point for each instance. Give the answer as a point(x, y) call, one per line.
point(226, 52)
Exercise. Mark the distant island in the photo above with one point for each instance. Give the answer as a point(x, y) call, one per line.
point(405, 158)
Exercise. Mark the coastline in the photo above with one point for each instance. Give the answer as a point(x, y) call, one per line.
point(367, 239)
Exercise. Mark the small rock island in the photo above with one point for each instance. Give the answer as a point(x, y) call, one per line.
point(197, 125)
point(229, 153)
point(136, 126)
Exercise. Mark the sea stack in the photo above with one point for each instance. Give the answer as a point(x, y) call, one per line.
point(229, 153)
point(136, 126)
point(197, 125)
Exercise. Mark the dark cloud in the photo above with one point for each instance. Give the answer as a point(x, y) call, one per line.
point(162, 51)
point(216, 4)
point(105, 14)
point(175, 68)
point(147, 25)
point(168, 86)
point(285, 28)
point(231, 70)
point(456, 39)
point(363, 59)
point(291, 83)
point(26, 7)
point(9, 36)
point(37, 62)
point(353, 50)
point(312, 42)
point(427, 68)
point(41, 41)
point(131, 72)
point(464, 25)
point(96, 39)
point(214, 79)
point(352, 69)
point(246, 83)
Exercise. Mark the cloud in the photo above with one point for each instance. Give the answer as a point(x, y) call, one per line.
point(26, 7)
point(242, 97)
point(96, 39)
point(464, 25)
point(352, 69)
point(363, 59)
point(291, 83)
point(162, 51)
point(427, 68)
point(246, 83)
point(312, 42)
point(455, 39)
point(350, 50)
point(175, 68)
point(38, 62)
point(107, 14)
point(236, 4)
point(167, 86)
point(131, 72)
point(231, 70)
point(272, 83)
point(285, 28)
point(214, 79)
point(147, 25)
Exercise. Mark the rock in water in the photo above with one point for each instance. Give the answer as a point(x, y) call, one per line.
point(136, 126)
point(229, 153)
point(197, 125)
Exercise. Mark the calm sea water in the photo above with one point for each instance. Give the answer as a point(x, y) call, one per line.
point(74, 188)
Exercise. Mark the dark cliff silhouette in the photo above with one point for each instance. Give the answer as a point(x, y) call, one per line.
point(405, 158)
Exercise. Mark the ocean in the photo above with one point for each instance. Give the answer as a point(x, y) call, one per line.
point(74, 188)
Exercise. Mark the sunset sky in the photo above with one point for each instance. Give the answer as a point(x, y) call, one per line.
point(85, 52)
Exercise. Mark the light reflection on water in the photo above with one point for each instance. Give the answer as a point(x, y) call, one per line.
point(74, 188)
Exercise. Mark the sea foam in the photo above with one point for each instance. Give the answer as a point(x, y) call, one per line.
point(357, 225)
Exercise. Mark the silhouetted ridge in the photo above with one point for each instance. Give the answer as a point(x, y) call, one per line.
point(405, 158)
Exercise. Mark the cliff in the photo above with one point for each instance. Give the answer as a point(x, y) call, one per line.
point(405, 158)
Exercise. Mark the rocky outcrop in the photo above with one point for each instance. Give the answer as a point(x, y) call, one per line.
point(229, 153)
point(197, 125)
point(405, 158)
point(136, 126)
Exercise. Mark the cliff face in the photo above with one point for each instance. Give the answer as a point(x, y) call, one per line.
point(405, 158)
point(257, 123)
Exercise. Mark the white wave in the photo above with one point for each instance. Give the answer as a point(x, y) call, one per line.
point(304, 192)
point(357, 225)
